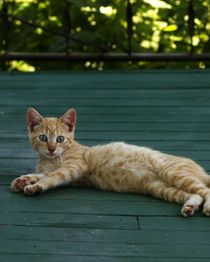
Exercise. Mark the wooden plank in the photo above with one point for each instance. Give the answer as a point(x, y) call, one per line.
point(63, 220)
point(104, 107)
point(176, 79)
point(74, 193)
point(104, 249)
point(80, 258)
point(16, 167)
point(69, 193)
point(83, 235)
point(175, 224)
point(68, 101)
point(94, 203)
point(102, 236)
point(153, 116)
point(89, 126)
point(107, 93)
point(94, 207)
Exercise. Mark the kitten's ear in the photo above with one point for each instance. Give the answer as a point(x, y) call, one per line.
point(33, 118)
point(69, 119)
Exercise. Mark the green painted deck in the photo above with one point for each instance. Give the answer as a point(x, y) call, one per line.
point(165, 110)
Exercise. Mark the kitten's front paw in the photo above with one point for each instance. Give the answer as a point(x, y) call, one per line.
point(19, 183)
point(33, 189)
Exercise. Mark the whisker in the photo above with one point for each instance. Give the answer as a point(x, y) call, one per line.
point(61, 159)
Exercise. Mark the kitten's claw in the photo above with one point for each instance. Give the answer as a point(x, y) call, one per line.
point(33, 189)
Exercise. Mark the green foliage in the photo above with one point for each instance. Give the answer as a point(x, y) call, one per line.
point(158, 26)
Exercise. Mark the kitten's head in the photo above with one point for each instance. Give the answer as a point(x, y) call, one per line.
point(49, 136)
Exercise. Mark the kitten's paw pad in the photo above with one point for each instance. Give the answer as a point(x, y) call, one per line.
point(33, 189)
point(206, 209)
point(188, 210)
point(19, 184)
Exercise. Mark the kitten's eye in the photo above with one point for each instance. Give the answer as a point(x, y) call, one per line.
point(60, 139)
point(43, 138)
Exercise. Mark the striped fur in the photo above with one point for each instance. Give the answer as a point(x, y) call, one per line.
point(114, 167)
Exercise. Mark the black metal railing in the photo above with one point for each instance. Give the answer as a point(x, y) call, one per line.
point(103, 51)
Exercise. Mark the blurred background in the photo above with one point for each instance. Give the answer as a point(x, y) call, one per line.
point(89, 34)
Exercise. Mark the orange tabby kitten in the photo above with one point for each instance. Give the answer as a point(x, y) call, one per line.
point(116, 167)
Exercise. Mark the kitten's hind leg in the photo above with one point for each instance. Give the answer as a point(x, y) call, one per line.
point(193, 185)
point(162, 190)
point(21, 182)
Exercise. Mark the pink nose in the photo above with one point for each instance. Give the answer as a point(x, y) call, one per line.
point(51, 150)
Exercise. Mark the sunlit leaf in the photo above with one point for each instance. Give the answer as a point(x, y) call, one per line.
point(170, 28)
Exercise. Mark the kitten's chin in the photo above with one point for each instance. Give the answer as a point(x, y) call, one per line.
point(50, 156)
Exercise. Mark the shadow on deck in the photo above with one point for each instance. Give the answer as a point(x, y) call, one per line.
point(165, 110)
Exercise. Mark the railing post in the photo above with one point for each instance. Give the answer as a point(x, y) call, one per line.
point(66, 24)
point(129, 19)
point(5, 29)
point(191, 24)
